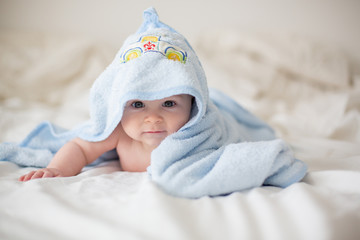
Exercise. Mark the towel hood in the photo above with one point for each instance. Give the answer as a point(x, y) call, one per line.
point(154, 63)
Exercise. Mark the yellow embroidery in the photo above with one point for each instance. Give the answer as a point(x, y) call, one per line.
point(153, 44)
point(132, 54)
point(174, 56)
point(149, 38)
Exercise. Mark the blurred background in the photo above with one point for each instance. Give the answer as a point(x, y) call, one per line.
point(331, 21)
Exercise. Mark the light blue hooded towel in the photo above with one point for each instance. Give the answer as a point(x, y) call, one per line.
point(222, 149)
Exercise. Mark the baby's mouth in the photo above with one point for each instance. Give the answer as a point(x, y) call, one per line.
point(155, 132)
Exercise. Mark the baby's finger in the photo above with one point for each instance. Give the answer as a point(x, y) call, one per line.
point(28, 176)
point(48, 174)
point(38, 174)
point(21, 178)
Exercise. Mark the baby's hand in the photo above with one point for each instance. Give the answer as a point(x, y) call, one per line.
point(41, 173)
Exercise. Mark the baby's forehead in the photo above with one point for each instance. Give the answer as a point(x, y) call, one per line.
point(178, 97)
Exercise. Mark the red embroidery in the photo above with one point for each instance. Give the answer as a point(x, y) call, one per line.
point(149, 46)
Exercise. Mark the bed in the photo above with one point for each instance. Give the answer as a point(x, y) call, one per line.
point(305, 90)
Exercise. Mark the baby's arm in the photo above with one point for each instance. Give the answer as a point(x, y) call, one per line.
point(73, 156)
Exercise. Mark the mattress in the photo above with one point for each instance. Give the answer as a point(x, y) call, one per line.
point(305, 90)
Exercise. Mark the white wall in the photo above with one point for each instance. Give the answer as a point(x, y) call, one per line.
point(111, 20)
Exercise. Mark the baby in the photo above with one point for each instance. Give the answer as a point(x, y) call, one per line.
point(153, 105)
point(142, 128)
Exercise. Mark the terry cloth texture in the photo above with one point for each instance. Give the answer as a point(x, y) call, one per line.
point(222, 149)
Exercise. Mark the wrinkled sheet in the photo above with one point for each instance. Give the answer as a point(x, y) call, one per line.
point(305, 90)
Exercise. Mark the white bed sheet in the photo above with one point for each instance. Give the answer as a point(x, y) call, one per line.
point(306, 91)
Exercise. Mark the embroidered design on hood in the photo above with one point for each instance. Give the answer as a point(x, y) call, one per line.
point(153, 44)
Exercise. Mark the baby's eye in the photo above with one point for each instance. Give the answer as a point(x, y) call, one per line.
point(169, 104)
point(138, 104)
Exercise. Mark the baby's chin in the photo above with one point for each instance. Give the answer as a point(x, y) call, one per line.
point(153, 143)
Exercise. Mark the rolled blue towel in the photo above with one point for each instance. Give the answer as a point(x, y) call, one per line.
point(222, 149)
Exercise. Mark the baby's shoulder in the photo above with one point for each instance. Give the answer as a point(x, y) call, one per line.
point(122, 138)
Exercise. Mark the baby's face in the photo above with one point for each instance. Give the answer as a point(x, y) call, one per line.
point(149, 122)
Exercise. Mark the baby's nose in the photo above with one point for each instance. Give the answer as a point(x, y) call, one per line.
point(153, 117)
